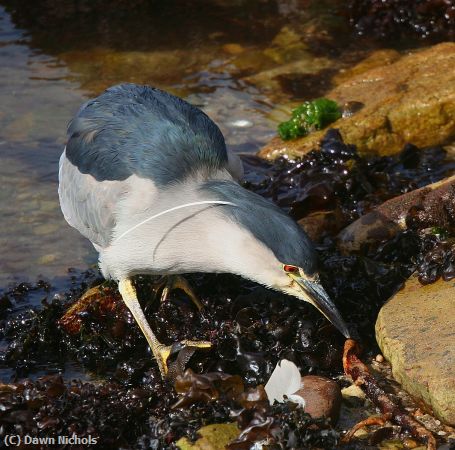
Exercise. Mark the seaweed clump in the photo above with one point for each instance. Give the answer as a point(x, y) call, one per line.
point(251, 329)
point(437, 259)
point(309, 116)
point(153, 416)
point(391, 19)
point(337, 179)
point(107, 413)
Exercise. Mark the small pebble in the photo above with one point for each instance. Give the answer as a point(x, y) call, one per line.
point(322, 397)
point(352, 391)
point(410, 443)
point(242, 123)
point(361, 433)
point(47, 259)
point(233, 49)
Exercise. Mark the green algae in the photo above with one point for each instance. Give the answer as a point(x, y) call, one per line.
point(309, 116)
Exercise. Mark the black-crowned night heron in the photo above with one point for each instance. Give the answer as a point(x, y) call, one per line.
point(148, 179)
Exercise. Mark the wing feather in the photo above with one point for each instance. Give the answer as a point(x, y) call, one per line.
point(139, 130)
point(87, 204)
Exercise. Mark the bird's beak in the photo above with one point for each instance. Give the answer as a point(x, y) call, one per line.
point(315, 294)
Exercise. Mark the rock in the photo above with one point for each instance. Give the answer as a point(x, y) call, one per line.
point(434, 206)
point(322, 397)
point(410, 443)
point(415, 331)
point(409, 100)
point(98, 300)
point(379, 58)
point(287, 46)
point(213, 437)
point(233, 49)
point(252, 61)
point(291, 50)
point(269, 80)
point(318, 223)
point(99, 68)
point(353, 394)
point(286, 37)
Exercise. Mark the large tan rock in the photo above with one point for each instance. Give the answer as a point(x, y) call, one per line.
point(407, 99)
point(416, 333)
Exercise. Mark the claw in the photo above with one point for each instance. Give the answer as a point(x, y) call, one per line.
point(164, 351)
point(174, 282)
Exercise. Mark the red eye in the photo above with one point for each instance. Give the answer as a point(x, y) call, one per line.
point(290, 269)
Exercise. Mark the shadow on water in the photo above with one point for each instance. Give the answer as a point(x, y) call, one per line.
point(141, 25)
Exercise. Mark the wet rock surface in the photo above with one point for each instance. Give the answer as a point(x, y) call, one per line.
point(409, 100)
point(391, 20)
point(415, 331)
point(211, 437)
point(322, 397)
point(431, 206)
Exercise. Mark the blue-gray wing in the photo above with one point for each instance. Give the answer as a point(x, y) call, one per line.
point(87, 204)
point(139, 130)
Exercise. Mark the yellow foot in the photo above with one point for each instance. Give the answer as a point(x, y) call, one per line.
point(162, 352)
point(174, 282)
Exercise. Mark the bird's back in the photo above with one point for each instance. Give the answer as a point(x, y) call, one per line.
point(132, 129)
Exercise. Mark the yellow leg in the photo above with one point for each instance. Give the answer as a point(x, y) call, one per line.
point(160, 351)
point(177, 282)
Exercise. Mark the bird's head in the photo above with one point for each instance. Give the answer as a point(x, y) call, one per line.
point(262, 243)
point(296, 282)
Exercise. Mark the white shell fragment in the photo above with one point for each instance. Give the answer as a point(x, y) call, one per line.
point(284, 381)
